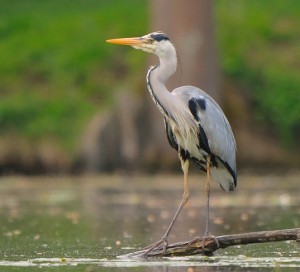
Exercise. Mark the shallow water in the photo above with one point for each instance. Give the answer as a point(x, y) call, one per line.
point(84, 223)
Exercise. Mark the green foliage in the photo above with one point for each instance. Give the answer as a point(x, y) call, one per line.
point(55, 67)
point(259, 47)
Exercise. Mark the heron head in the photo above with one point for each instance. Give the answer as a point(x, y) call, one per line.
point(156, 42)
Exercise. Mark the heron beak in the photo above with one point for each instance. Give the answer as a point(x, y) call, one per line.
point(127, 41)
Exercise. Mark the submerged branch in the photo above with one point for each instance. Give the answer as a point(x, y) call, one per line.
point(211, 244)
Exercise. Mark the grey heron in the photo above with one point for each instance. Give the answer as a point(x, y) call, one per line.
point(195, 124)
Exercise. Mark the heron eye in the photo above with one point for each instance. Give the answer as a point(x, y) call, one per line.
point(150, 40)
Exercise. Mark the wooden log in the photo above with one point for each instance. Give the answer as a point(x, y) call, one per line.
point(209, 245)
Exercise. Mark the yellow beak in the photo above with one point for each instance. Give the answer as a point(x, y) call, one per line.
point(127, 41)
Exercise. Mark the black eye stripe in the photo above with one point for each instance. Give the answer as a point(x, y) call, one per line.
point(159, 37)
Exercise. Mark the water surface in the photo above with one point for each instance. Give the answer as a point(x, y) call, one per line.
point(84, 223)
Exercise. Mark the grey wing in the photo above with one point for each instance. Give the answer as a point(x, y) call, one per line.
point(213, 122)
point(218, 131)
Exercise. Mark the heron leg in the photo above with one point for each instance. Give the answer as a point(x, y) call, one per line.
point(185, 197)
point(207, 189)
point(207, 234)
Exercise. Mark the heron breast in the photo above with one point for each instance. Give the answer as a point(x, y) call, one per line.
point(190, 144)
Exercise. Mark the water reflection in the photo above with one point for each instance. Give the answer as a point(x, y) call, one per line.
point(99, 218)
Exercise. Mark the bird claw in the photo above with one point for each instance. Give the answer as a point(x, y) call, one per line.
point(203, 239)
point(163, 241)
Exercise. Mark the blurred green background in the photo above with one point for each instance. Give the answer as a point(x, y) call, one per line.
point(56, 69)
point(57, 72)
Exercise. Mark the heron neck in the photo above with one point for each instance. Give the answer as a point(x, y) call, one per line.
point(156, 78)
point(166, 68)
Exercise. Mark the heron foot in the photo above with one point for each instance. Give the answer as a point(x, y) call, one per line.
point(207, 236)
point(145, 252)
point(163, 241)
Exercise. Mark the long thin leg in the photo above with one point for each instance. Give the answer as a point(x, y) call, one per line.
point(185, 197)
point(207, 189)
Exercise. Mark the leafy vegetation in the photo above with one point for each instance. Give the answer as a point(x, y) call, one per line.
point(56, 70)
point(55, 67)
point(259, 46)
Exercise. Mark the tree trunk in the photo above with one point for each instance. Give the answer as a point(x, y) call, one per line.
point(190, 27)
point(133, 135)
